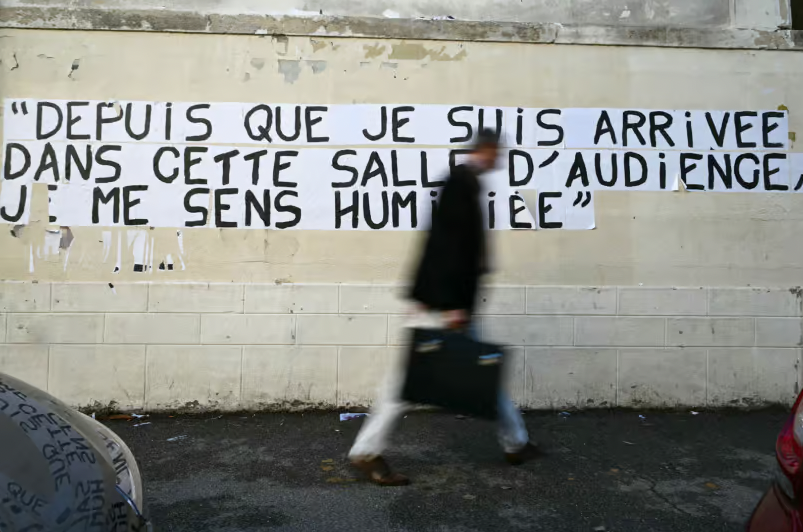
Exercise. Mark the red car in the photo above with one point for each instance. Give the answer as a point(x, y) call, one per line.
point(780, 510)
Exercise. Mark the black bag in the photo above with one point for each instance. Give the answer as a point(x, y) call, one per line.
point(450, 370)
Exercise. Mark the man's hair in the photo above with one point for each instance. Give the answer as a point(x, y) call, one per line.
point(486, 138)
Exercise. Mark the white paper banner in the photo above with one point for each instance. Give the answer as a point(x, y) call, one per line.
point(366, 167)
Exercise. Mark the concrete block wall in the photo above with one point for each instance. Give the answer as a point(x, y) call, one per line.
point(233, 346)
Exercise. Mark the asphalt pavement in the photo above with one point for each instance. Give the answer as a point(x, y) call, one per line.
point(604, 471)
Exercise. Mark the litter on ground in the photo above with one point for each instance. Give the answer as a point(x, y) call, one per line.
point(347, 417)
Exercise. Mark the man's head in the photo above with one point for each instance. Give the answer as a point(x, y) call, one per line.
point(486, 150)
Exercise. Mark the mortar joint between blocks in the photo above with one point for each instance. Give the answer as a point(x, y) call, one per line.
point(755, 331)
point(526, 300)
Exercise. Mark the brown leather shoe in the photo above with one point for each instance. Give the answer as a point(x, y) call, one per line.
point(528, 453)
point(378, 471)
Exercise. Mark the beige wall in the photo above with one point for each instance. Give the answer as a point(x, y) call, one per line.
point(591, 315)
point(667, 239)
point(233, 346)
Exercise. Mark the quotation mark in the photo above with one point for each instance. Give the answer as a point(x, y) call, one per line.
point(23, 107)
point(580, 195)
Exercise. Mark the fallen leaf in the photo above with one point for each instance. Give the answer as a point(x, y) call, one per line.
point(328, 461)
point(327, 468)
point(711, 486)
point(469, 497)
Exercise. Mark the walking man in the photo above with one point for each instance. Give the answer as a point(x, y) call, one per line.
point(445, 291)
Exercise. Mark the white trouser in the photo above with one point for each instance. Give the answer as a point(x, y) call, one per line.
point(389, 408)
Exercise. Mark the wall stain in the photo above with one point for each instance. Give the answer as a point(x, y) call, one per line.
point(75, 64)
point(290, 69)
point(317, 66)
point(317, 46)
point(257, 62)
point(770, 40)
point(417, 52)
point(392, 66)
point(372, 52)
point(792, 136)
point(282, 44)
